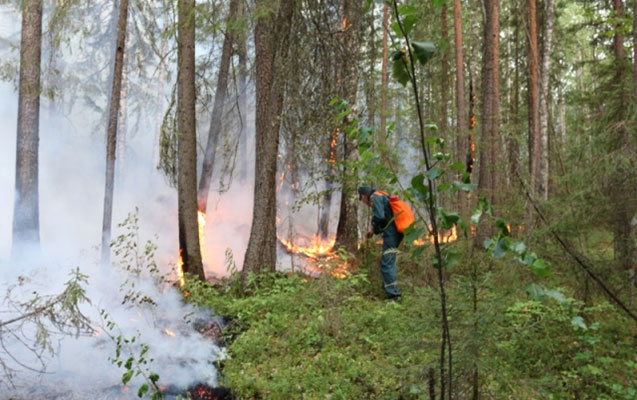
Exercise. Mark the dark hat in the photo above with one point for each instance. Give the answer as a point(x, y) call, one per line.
point(365, 190)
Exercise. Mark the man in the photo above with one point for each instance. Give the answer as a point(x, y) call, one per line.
point(382, 222)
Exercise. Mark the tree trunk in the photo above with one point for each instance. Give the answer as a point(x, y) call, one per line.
point(535, 142)
point(444, 81)
point(324, 220)
point(383, 90)
point(545, 97)
point(513, 145)
point(271, 37)
point(187, 143)
point(347, 228)
point(622, 182)
point(111, 133)
point(487, 179)
point(26, 216)
point(635, 51)
point(216, 120)
point(242, 52)
point(461, 124)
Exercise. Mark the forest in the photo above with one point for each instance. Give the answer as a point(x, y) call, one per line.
point(318, 199)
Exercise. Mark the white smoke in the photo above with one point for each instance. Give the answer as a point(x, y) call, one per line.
point(71, 191)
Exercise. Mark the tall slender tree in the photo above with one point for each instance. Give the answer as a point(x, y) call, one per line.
point(461, 124)
point(384, 76)
point(489, 139)
point(216, 120)
point(271, 37)
point(26, 215)
point(535, 143)
point(187, 142)
point(111, 131)
point(545, 97)
point(347, 228)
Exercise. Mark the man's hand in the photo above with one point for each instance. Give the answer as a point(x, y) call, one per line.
point(369, 234)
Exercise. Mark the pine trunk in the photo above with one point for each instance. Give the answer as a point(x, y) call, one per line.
point(271, 37)
point(545, 97)
point(489, 143)
point(187, 143)
point(242, 52)
point(461, 124)
point(535, 142)
point(111, 132)
point(347, 228)
point(26, 216)
point(384, 78)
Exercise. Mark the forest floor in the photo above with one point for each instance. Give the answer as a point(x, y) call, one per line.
point(297, 337)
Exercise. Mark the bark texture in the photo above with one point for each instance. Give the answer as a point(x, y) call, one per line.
point(545, 97)
point(26, 216)
point(187, 143)
point(271, 36)
point(216, 120)
point(347, 228)
point(461, 124)
point(535, 143)
point(489, 139)
point(111, 130)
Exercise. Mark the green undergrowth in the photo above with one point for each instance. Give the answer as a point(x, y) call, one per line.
point(295, 337)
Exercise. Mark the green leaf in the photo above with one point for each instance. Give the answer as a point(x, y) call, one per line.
point(418, 183)
point(466, 187)
point(450, 257)
point(540, 268)
point(154, 377)
point(434, 173)
point(129, 363)
point(502, 225)
point(557, 296)
point(448, 219)
point(400, 71)
point(475, 217)
point(412, 233)
point(535, 291)
point(127, 377)
point(500, 248)
point(424, 51)
point(457, 166)
point(578, 322)
point(518, 247)
point(409, 22)
point(439, 3)
point(143, 389)
point(464, 228)
point(443, 186)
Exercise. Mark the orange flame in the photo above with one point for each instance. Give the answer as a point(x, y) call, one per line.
point(316, 247)
point(322, 258)
point(201, 223)
point(180, 270)
point(448, 237)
